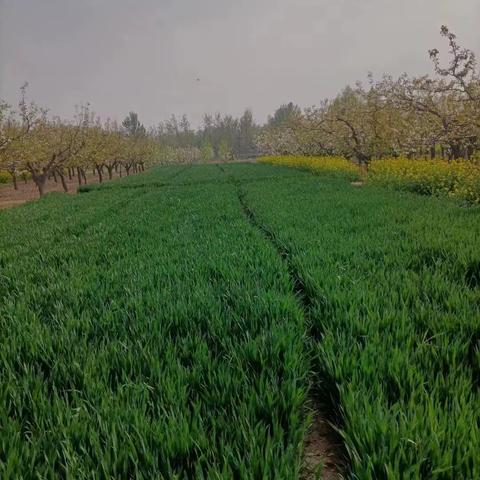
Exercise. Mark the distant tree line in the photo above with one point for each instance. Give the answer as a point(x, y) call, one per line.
point(219, 136)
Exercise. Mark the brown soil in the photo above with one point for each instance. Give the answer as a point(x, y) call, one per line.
point(323, 451)
point(9, 197)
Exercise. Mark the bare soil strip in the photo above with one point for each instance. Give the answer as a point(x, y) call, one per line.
point(323, 452)
point(9, 197)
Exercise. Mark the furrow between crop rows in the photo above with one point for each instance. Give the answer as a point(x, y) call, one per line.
point(323, 448)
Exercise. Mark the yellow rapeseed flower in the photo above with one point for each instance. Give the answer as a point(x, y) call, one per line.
point(338, 165)
point(457, 178)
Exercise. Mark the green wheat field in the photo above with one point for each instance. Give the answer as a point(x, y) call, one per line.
point(183, 322)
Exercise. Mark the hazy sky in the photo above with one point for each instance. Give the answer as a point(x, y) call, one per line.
point(145, 55)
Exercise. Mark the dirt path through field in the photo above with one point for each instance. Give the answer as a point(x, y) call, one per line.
point(9, 197)
point(322, 456)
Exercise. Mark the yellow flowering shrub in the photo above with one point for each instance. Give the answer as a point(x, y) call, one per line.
point(432, 177)
point(5, 177)
point(336, 165)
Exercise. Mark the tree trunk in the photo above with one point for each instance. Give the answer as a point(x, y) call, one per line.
point(100, 176)
point(120, 171)
point(470, 151)
point(110, 172)
point(116, 168)
point(69, 173)
point(82, 171)
point(127, 169)
point(40, 182)
point(14, 179)
point(55, 176)
point(363, 161)
point(79, 176)
point(64, 183)
point(432, 152)
point(24, 176)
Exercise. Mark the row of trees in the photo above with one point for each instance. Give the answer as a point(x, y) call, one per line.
point(435, 115)
point(33, 143)
point(219, 136)
point(41, 147)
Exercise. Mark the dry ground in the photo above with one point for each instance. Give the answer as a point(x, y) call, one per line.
point(9, 197)
point(323, 456)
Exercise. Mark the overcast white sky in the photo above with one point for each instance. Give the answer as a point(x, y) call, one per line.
point(145, 55)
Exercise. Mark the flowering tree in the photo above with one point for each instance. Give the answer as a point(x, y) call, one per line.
point(412, 116)
point(15, 126)
point(52, 144)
